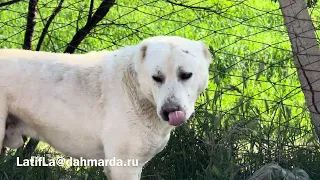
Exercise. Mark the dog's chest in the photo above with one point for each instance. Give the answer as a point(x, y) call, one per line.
point(151, 144)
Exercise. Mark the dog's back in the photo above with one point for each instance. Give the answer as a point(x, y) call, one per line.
point(37, 85)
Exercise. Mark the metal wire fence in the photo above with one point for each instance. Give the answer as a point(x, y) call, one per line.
point(253, 112)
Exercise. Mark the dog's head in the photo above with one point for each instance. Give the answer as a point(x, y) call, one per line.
point(172, 72)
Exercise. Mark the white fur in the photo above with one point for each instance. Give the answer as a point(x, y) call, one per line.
point(100, 104)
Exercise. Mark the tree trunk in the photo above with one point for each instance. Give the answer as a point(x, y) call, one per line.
point(305, 52)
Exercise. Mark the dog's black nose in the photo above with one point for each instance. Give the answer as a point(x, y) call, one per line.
point(167, 109)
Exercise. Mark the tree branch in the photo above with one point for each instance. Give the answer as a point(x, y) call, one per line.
point(90, 10)
point(32, 10)
point(9, 3)
point(210, 9)
point(46, 27)
point(101, 12)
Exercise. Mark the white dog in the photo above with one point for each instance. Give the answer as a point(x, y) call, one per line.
point(120, 104)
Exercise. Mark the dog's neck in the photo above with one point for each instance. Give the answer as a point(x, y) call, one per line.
point(143, 107)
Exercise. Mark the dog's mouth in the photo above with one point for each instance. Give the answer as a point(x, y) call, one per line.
point(176, 118)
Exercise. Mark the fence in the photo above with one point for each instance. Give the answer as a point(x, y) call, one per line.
point(253, 112)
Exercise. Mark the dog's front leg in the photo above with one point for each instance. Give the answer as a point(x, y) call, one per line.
point(123, 172)
point(3, 118)
point(121, 166)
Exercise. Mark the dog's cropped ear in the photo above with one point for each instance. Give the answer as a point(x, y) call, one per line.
point(143, 51)
point(206, 52)
point(140, 56)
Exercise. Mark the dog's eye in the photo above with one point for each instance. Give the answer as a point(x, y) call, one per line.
point(185, 76)
point(157, 79)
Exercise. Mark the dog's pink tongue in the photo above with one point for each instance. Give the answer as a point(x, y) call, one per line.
point(176, 118)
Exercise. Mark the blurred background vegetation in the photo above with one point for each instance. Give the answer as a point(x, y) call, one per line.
point(253, 112)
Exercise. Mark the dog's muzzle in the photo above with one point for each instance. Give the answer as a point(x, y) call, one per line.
point(173, 113)
point(168, 108)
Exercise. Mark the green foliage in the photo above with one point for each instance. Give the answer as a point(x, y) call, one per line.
point(253, 112)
